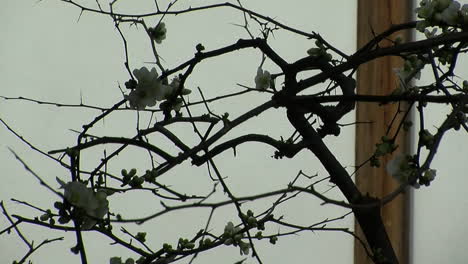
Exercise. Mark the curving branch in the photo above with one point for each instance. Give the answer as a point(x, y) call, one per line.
point(285, 149)
point(116, 140)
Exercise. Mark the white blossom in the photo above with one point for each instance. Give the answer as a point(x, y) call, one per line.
point(426, 9)
point(430, 175)
point(158, 33)
point(411, 69)
point(262, 79)
point(175, 83)
point(450, 14)
point(399, 168)
point(230, 229)
point(394, 165)
point(430, 33)
point(149, 89)
point(94, 204)
point(403, 75)
point(77, 194)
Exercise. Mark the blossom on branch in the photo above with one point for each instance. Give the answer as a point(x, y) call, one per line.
point(148, 90)
point(175, 84)
point(426, 9)
point(411, 70)
point(262, 79)
point(95, 204)
point(450, 14)
point(441, 13)
point(399, 168)
point(158, 33)
point(430, 33)
point(429, 176)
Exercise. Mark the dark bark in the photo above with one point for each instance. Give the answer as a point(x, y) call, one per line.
point(369, 217)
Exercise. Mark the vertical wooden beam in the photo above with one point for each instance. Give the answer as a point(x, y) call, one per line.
point(378, 78)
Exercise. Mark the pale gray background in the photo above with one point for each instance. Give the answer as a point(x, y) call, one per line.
point(46, 54)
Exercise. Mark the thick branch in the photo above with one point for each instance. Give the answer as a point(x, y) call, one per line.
point(369, 218)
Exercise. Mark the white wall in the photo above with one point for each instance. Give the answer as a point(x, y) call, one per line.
point(50, 53)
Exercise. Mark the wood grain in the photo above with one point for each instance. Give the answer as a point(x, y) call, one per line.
point(378, 78)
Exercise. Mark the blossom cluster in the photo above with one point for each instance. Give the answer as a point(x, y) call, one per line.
point(149, 89)
point(403, 170)
point(233, 236)
point(441, 13)
point(447, 15)
point(262, 79)
point(94, 204)
point(320, 51)
point(411, 70)
point(158, 33)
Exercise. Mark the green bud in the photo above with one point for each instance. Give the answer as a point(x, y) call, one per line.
point(238, 237)
point(314, 52)
point(64, 219)
point(186, 91)
point(465, 85)
point(167, 247)
point(250, 213)
point(200, 47)
point(44, 217)
point(273, 240)
point(141, 236)
point(58, 205)
point(190, 245)
point(261, 226)
point(427, 139)
point(207, 242)
point(115, 260)
point(75, 250)
point(382, 149)
point(252, 221)
point(259, 235)
point(430, 174)
point(228, 241)
point(129, 261)
point(136, 182)
point(244, 247)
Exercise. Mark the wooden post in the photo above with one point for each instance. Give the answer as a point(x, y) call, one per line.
point(378, 78)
